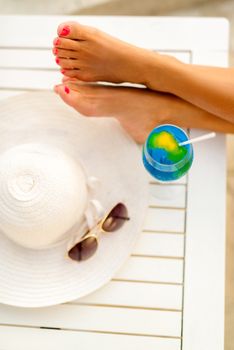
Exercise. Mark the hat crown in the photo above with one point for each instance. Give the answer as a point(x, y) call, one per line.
point(43, 194)
point(25, 182)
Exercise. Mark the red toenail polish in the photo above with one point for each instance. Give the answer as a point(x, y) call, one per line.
point(55, 50)
point(62, 71)
point(66, 89)
point(64, 31)
point(56, 42)
point(57, 60)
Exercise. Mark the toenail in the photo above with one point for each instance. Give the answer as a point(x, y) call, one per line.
point(55, 50)
point(64, 31)
point(57, 60)
point(56, 42)
point(66, 89)
point(62, 71)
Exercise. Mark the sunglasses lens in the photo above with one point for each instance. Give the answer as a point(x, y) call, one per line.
point(116, 218)
point(84, 249)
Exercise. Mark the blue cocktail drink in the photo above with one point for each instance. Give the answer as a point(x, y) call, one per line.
point(163, 158)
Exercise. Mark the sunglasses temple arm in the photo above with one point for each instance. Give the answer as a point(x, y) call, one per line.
point(121, 217)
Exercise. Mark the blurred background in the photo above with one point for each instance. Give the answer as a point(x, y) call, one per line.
point(210, 8)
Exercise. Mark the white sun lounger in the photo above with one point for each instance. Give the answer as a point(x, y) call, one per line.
point(170, 293)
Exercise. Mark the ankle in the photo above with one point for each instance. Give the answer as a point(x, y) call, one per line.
point(162, 72)
point(173, 108)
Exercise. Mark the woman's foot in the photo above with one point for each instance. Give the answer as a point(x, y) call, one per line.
point(139, 110)
point(91, 55)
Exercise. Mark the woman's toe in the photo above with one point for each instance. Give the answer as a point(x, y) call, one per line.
point(67, 63)
point(79, 74)
point(68, 95)
point(61, 53)
point(71, 95)
point(73, 30)
point(67, 44)
point(68, 79)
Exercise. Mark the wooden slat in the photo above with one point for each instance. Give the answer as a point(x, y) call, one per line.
point(38, 31)
point(29, 31)
point(152, 269)
point(94, 318)
point(169, 220)
point(156, 244)
point(47, 339)
point(132, 294)
point(205, 247)
point(182, 180)
point(44, 58)
point(28, 79)
point(27, 58)
point(167, 196)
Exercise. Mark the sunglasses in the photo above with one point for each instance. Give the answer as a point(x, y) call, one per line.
point(88, 244)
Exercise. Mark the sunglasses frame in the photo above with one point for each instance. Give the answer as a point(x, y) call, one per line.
point(94, 232)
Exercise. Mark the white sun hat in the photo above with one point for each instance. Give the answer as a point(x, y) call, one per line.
point(60, 173)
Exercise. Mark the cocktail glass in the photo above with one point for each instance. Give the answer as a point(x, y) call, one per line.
point(163, 158)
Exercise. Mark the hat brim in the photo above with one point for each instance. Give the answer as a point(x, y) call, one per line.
point(37, 278)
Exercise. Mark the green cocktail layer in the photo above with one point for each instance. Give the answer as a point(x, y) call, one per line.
point(165, 141)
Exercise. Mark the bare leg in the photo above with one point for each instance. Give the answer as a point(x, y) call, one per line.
point(91, 55)
point(138, 110)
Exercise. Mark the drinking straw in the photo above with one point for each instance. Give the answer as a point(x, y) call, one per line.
point(198, 139)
